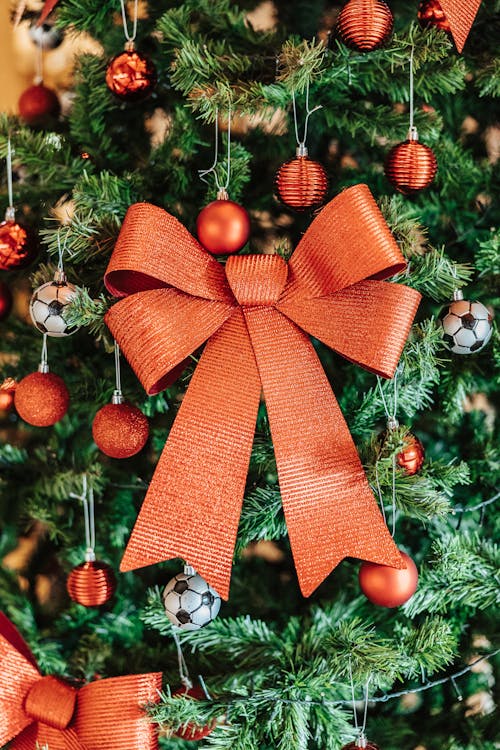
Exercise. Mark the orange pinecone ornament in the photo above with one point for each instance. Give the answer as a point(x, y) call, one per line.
point(430, 13)
point(365, 25)
point(301, 183)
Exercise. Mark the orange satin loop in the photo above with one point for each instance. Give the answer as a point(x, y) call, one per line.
point(255, 316)
point(46, 711)
point(460, 15)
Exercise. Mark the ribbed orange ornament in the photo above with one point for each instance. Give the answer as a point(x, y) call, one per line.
point(365, 25)
point(18, 245)
point(91, 583)
point(412, 456)
point(430, 13)
point(410, 166)
point(120, 430)
point(302, 183)
point(41, 399)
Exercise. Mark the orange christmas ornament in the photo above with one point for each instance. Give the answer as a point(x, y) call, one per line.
point(37, 104)
point(18, 244)
point(131, 76)
point(387, 586)
point(45, 711)
point(92, 583)
point(193, 732)
point(365, 25)
point(410, 166)
point(412, 456)
point(223, 227)
point(302, 183)
point(430, 13)
point(7, 393)
point(254, 311)
point(42, 398)
point(5, 300)
point(120, 429)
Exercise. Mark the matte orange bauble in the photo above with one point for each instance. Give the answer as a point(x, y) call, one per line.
point(18, 245)
point(91, 584)
point(42, 399)
point(412, 456)
point(193, 731)
point(131, 76)
point(37, 104)
point(430, 13)
point(386, 586)
point(5, 300)
point(7, 393)
point(223, 226)
point(301, 183)
point(365, 25)
point(120, 430)
point(410, 166)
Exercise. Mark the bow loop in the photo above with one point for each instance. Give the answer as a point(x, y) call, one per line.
point(256, 279)
point(51, 701)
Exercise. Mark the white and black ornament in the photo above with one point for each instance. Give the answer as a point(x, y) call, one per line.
point(48, 305)
point(190, 602)
point(46, 36)
point(467, 326)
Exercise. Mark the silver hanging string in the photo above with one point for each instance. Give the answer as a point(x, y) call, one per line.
point(204, 687)
point(365, 712)
point(361, 737)
point(10, 208)
point(183, 670)
point(302, 143)
point(129, 37)
point(392, 424)
point(117, 393)
point(412, 133)
point(203, 173)
point(87, 500)
point(44, 360)
point(61, 249)
point(39, 65)
point(354, 712)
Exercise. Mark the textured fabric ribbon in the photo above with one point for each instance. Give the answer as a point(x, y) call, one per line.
point(47, 9)
point(256, 314)
point(38, 711)
point(460, 14)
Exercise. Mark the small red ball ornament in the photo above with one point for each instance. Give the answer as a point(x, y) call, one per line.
point(42, 399)
point(430, 13)
point(193, 731)
point(37, 104)
point(365, 25)
point(131, 76)
point(301, 183)
point(5, 301)
point(223, 226)
point(386, 586)
point(92, 583)
point(412, 456)
point(410, 166)
point(18, 244)
point(7, 394)
point(120, 429)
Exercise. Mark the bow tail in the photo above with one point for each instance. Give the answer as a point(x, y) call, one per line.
point(193, 504)
point(329, 508)
point(42, 736)
point(460, 15)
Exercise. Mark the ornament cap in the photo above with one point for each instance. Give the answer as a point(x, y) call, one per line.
point(413, 133)
point(43, 367)
point(117, 397)
point(10, 213)
point(60, 277)
point(129, 45)
point(458, 295)
point(222, 194)
point(302, 150)
point(189, 570)
point(361, 740)
point(89, 555)
point(392, 424)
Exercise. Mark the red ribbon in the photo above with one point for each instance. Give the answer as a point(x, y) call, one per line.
point(256, 314)
point(47, 9)
point(460, 15)
point(104, 715)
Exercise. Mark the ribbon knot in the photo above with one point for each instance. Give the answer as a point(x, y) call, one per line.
point(51, 701)
point(256, 316)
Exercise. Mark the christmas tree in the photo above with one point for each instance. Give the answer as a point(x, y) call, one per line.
point(254, 82)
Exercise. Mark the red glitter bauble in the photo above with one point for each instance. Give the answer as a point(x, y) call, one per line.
point(120, 430)
point(37, 104)
point(18, 245)
point(91, 583)
point(412, 456)
point(430, 13)
point(193, 731)
point(42, 399)
point(365, 25)
point(5, 300)
point(410, 166)
point(360, 744)
point(386, 586)
point(301, 183)
point(223, 227)
point(7, 393)
point(131, 76)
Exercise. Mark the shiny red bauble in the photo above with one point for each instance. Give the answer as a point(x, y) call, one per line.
point(91, 583)
point(386, 586)
point(131, 76)
point(7, 394)
point(41, 399)
point(120, 430)
point(301, 183)
point(5, 300)
point(412, 456)
point(18, 245)
point(37, 104)
point(410, 166)
point(223, 227)
point(430, 13)
point(365, 25)
point(193, 731)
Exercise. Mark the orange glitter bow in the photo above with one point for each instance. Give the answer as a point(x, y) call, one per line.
point(38, 711)
point(460, 15)
point(255, 313)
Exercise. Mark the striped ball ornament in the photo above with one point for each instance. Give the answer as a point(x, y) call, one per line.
point(91, 584)
point(301, 183)
point(410, 166)
point(365, 25)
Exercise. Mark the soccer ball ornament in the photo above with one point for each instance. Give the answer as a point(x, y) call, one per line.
point(48, 305)
point(467, 326)
point(190, 603)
